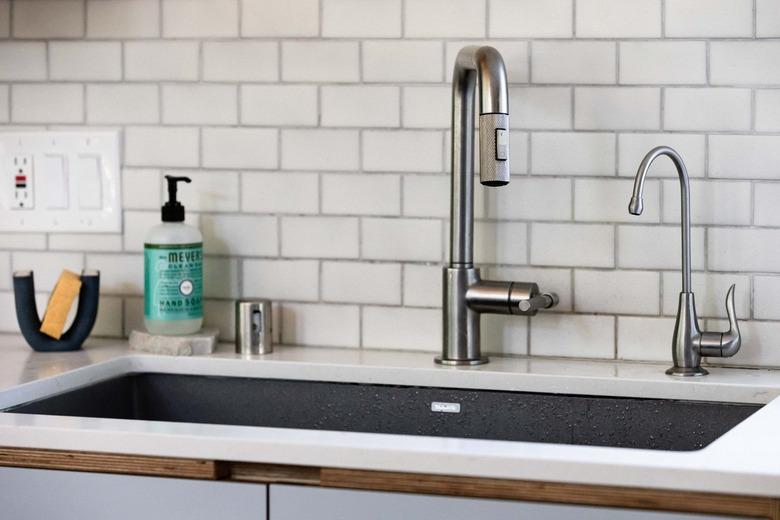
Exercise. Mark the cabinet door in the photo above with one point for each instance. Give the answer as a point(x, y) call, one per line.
point(310, 503)
point(34, 494)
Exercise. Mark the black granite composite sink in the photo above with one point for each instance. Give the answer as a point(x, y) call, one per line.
point(658, 424)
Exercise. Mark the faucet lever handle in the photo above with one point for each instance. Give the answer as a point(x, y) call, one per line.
point(540, 301)
point(723, 344)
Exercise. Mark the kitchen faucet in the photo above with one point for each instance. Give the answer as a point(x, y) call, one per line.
point(466, 296)
point(689, 344)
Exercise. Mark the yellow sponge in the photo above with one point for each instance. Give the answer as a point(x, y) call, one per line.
point(62, 297)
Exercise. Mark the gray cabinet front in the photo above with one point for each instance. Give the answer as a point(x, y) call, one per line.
point(311, 503)
point(34, 494)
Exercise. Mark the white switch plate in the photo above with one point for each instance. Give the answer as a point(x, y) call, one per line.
point(72, 182)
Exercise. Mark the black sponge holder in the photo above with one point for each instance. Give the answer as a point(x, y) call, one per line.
point(30, 323)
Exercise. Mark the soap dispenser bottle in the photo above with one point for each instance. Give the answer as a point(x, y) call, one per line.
point(173, 271)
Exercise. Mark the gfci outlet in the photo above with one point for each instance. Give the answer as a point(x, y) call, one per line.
point(22, 181)
point(60, 182)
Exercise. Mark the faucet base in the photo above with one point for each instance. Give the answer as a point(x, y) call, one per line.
point(461, 362)
point(686, 372)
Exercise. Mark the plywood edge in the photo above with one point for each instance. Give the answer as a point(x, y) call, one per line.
point(113, 463)
point(275, 473)
point(582, 494)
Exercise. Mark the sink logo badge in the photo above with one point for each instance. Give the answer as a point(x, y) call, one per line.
point(445, 407)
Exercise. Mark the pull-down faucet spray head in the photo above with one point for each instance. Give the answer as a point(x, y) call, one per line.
point(635, 206)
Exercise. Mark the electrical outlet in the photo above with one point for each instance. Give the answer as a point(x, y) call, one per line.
point(22, 178)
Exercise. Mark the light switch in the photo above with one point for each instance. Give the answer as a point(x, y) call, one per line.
point(88, 182)
point(53, 181)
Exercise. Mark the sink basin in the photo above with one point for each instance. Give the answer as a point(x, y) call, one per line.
point(658, 424)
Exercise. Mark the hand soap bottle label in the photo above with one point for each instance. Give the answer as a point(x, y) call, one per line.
point(173, 281)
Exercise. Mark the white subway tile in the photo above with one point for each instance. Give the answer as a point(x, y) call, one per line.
point(220, 315)
point(445, 18)
point(402, 239)
point(573, 62)
point(321, 325)
point(530, 19)
point(279, 105)
point(531, 199)
point(767, 210)
point(606, 200)
point(541, 107)
point(500, 243)
point(209, 191)
point(633, 147)
point(404, 151)
point(296, 280)
point(22, 61)
point(161, 60)
point(657, 247)
point(618, 18)
point(357, 18)
point(47, 103)
point(280, 18)
point(8, 322)
point(5, 271)
point(123, 18)
point(22, 241)
point(134, 315)
point(156, 146)
point(279, 192)
point(119, 274)
point(514, 53)
point(320, 61)
point(46, 266)
point(320, 149)
point(573, 336)
point(138, 223)
point(519, 155)
point(618, 108)
point(768, 110)
point(240, 61)
point(744, 156)
point(123, 104)
point(554, 280)
point(85, 242)
point(713, 18)
point(427, 107)
point(220, 278)
point(767, 18)
point(707, 109)
point(663, 62)
point(422, 285)
point(429, 196)
point(109, 318)
point(710, 290)
point(744, 63)
point(239, 235)
point(199, 18)
point(359, 282)
point(360, 106)
point(320, 237)
point(402, 328)
point(734, 249)
point(504, 335)
point(645, 339)
point(766, 304)
point(5, 18)
point(402, 61)
point(572, 154)
point(240, 148)
point(200, 104)
point(48, 19)
point(85, 61)
point(759, 344)
point(579, 245)
point(712, 202)
point(616, 292)
point(361, 194)
point(5, 112)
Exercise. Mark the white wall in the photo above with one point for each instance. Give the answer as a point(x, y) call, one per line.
point(316, 134)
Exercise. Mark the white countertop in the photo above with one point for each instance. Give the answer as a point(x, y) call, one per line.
point(746, 460)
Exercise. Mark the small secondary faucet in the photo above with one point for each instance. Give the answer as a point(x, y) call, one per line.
point(689, 344)
point(466, 295)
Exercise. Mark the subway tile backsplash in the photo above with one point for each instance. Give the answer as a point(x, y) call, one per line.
point(317, 135)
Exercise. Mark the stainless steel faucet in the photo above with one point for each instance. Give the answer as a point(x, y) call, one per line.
point(689, 344)
point(466, 295)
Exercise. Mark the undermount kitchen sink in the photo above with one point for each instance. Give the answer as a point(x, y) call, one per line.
point(659, 424)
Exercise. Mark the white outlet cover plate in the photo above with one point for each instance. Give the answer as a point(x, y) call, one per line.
point(76, 182)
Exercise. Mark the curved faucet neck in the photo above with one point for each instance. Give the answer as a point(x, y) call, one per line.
point(685, 203)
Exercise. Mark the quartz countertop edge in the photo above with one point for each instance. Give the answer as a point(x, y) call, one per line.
point(746, 460)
